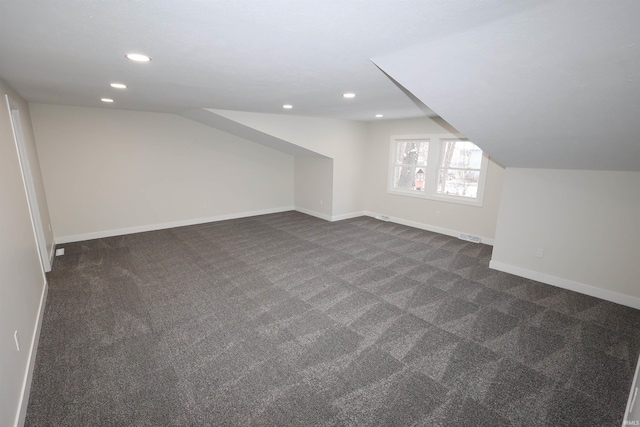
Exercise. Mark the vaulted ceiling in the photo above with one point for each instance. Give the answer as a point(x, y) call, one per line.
point(554, 87)
point(536, 83)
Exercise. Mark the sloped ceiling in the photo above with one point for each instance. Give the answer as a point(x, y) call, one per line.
point(245, 55)
point(535, 83)
point(218, 121)
point(557, 86)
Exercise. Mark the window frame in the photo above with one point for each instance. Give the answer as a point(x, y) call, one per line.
point(434, 161)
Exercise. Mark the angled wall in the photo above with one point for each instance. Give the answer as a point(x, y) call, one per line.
point(585, 222)
point(22, 280)
point(34, 163)
point(342, 141)
point(111, 172)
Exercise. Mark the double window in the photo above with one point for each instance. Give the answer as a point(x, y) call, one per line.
point(437, 167)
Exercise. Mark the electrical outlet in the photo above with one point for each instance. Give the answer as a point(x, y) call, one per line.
point(17, 338)
point(321, 203)
point(539, 252)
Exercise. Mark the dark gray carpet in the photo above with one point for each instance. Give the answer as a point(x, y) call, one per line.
point(286, 319)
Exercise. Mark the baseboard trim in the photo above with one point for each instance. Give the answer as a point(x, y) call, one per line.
point(313, 213)
point(571, 285)
point(326, 217)
point(632, 413)
point(35, 339)
point(348, 216)
point(428, 227)
point(52, 255)
point(165, 225)
point(140, 229)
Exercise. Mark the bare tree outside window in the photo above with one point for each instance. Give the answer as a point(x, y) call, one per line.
point(437, 167)
point(411, 156)
point(449, 147)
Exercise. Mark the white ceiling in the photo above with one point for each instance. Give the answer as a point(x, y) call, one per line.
point(247, 55)
point(535, 83)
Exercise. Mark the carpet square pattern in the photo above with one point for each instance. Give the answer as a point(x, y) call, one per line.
point(288, 320)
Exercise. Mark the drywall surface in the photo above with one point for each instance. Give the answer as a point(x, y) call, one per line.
point(537, 89)
point(207, 117)
point(341, 140)
point(22, 281)
point(107, 169)
point(434, 214)
point(313, 185)
point(34, 162)
point(585, 222)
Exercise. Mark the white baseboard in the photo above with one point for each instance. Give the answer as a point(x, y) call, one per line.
point(52, 255)
point(428, 227)
point(162, 226)
point(414, 224)
point(347, 216)
point(314, 213)
point(26, 386)
point(52, 252)
point(331, 218)
point(571, 285)
point(632, 413)
point(326, 217)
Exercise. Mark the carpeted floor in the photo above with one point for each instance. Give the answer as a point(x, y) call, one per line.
point(286, 319)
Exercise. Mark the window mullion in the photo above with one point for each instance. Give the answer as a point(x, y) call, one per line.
point(431, 174)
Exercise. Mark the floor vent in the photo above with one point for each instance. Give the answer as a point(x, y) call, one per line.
point(469, 238)
point(382, 217)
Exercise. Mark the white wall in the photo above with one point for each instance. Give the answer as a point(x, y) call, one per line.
point(341, 140)
point(313, 186)
point(587, 223)
point(34, 163)
point(448, 218)
point(22, 280)
point(109, 171)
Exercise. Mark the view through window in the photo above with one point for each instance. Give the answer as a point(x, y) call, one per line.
point(450, 169)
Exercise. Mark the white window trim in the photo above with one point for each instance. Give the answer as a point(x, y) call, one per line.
point(431, 171)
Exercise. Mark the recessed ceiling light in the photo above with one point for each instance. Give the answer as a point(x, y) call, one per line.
point(106, 100)
point(379, 115)
point(287, 106)
point(349, 95)
point(137, 57)
point(118, 85)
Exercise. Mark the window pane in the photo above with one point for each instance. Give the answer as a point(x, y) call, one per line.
point(458, 182)
point(409, 178)
point(412, 153)
point(461, 154)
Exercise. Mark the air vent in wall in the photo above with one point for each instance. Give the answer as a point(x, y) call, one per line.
point(469, 238)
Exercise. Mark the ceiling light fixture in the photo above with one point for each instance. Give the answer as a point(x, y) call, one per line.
point(118, 85)
point(137, 57)
point(379, 115)
point(106, 100)
point(349, 95)
point(287, 106)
